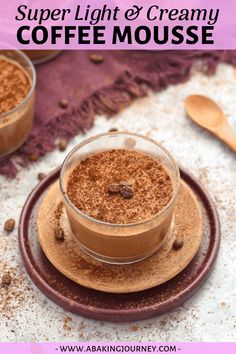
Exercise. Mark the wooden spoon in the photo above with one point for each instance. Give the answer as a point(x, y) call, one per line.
point(206, 113)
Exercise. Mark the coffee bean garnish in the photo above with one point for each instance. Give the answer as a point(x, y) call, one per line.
point(123, 188)
point(114, 188)
point(178, 244)
point(113, 130)
point(6, 279)
point(63, 103)
point(96, 58)
point(41, 176)
point(59, 234)
point(62, 145)
point(126, 192)
point(9, 225)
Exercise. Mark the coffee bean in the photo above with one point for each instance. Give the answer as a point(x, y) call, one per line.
point(41, 176)
point(96, 58)
point(62, 145)
point(126, 192)
point(59, 234)
point(178, 244)
point(6, 279)
point(33, 157)
point(9, 225)
point(113, 130)
point(134, 328)
point(63, 103)
point(114, 188)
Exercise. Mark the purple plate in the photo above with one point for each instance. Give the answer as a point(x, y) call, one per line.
point(117, 307)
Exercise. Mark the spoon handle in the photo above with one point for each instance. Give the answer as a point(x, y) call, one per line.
point(227, 136)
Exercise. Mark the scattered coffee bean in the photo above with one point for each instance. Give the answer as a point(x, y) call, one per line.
point(63, 103)
point(113, 130)
point(126, 192)
point(178, 244)
point(6, 279)
point(33, 157)
point(41, 176)
point(96, 58)
point(114, 188)
point(9, 225)
point(62, 145)
point(134, 328)
point(59, 234)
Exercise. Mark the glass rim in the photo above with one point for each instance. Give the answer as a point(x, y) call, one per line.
point(33, 84)
point(104, 223)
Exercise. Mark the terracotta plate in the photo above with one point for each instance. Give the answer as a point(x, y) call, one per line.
point(71, 261)
point(117, 307)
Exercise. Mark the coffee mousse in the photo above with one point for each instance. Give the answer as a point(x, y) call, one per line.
point(16, 108)
point(120, 187)
point(118, 197)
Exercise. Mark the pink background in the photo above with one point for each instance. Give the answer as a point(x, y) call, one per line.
point(182, 348)
point(224, 33)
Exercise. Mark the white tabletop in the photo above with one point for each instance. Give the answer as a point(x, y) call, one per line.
point(210, 315)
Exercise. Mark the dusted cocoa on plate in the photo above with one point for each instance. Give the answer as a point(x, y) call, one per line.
point(119, 200)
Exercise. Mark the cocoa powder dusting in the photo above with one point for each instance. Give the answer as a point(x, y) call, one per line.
point(15, 85)
point(13, 290)
point(58, 212)
point(67, 323)
point(149, 182)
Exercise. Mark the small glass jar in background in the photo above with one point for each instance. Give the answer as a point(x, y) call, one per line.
point(41, 56)
point(118, 243)
point(16, 124)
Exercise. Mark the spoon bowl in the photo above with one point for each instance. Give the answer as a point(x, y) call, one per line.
point(203, 111)
point(208, 115)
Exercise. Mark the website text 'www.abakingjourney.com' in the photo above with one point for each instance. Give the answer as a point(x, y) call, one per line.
point(117, 348)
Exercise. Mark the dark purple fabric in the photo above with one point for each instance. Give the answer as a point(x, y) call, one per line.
point(100, 88)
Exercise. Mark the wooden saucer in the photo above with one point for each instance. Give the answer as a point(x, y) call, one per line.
point(71, 261)
point(117, 307)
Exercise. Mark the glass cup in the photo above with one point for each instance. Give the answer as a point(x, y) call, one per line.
point(16, 124)
point(119, 243)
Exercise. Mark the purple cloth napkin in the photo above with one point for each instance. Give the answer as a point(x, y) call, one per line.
point(105, 87)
